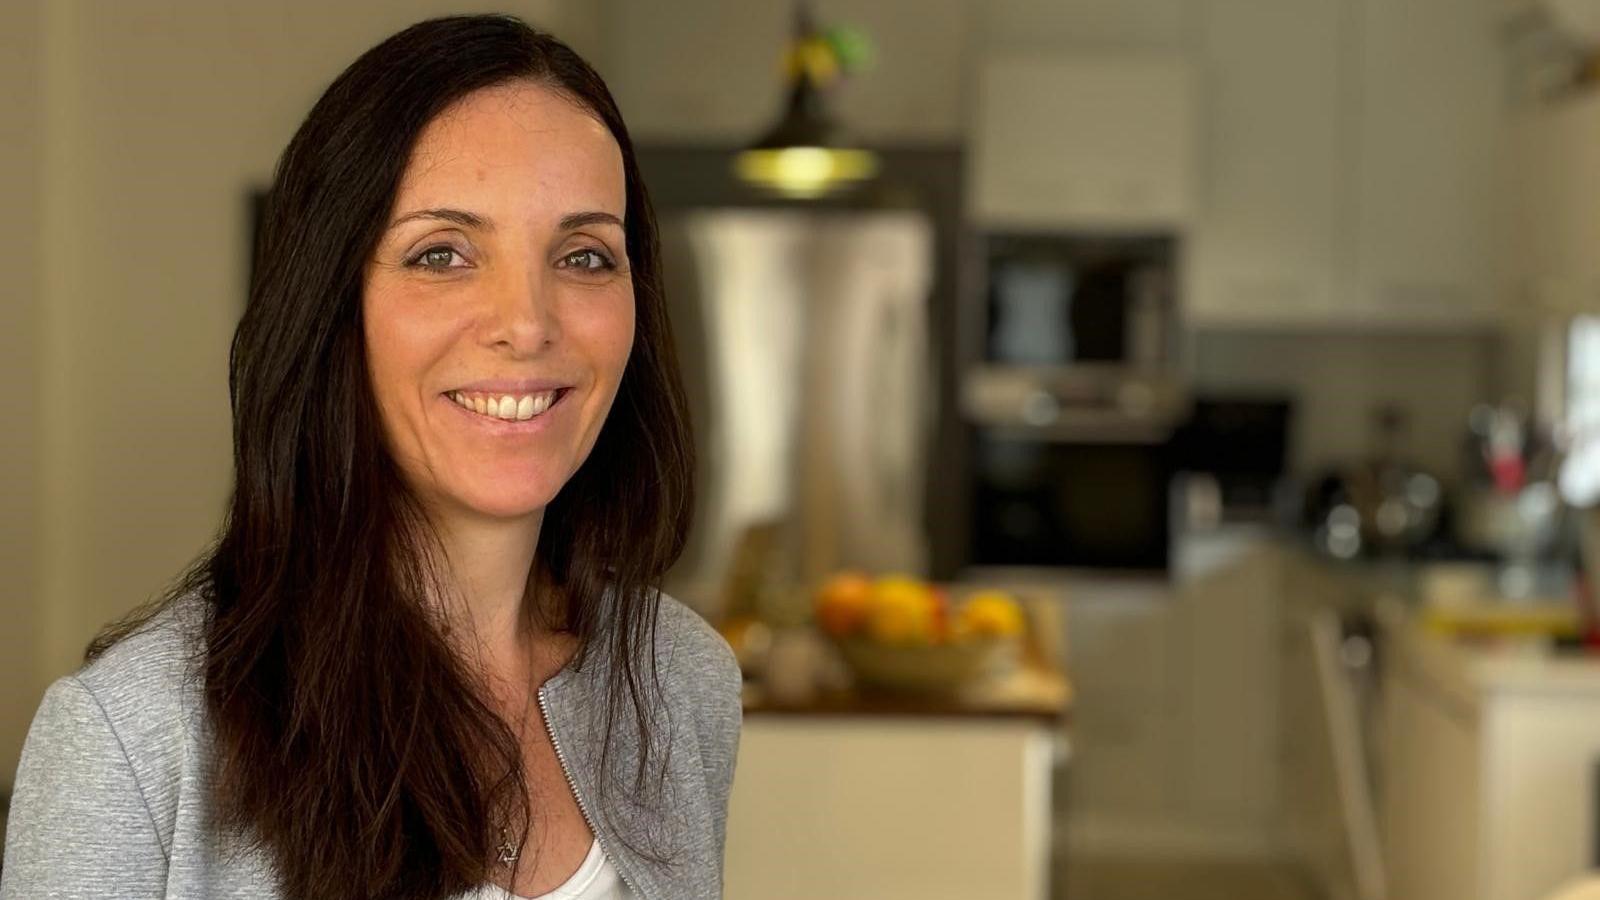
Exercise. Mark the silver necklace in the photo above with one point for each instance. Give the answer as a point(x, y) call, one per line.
point(506, 851)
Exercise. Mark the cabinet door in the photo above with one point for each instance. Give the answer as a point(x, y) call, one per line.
point(1128, 767)
point(1274, 179)
point(1432, 793)
point(1553, 192)
point(1086, 141)
point(1429, 114)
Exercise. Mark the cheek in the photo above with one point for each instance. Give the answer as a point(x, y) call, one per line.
point(387, 352)
point(624, 340)
point(608, 333)
point(402, 341)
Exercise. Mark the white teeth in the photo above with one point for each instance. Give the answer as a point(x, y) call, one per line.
point(506, 407)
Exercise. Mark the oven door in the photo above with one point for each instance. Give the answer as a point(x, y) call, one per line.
point(1041, 503)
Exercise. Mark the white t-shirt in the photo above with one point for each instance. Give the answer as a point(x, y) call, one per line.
point(595, 879)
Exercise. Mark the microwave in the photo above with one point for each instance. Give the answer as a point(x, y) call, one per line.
point(1079, 338)
point(1068, 300)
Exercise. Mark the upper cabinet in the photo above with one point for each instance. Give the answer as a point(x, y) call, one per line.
point(1350, 162)
point(1101, 141)
point(1326, 162)
point(1430, 118)
point(1553, 222)
point(1274, 192)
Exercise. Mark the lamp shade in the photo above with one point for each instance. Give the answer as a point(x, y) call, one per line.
point(804, 154)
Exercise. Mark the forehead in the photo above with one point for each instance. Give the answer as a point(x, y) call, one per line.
point(515, 143)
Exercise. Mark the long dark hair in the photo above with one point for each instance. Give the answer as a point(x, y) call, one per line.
point(355, 746)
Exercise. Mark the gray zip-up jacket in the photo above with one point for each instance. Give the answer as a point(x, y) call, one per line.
point(111, 795)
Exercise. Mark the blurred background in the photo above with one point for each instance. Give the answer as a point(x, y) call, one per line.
point(1148, 445)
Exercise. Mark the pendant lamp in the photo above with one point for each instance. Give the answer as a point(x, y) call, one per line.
point(805, 153)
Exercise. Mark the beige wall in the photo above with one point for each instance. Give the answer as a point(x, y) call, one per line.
point(155, 119)
point(19, 372)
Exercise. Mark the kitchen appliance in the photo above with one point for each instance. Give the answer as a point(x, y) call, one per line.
point(1079, 338)
point(1039, 503)
point(1073, 402)
point(803, 336)
point(1241, 443)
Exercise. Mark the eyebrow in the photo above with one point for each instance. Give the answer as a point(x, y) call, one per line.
point(593, 217)
point(458, 216)
point(473, 220)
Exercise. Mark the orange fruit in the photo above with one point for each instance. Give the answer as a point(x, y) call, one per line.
point(842, 603)
point(901, 611)
point(992, 613)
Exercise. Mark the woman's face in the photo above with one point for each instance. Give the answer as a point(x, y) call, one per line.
point(498, 307)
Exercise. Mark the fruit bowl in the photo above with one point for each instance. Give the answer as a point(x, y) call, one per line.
point(922, 668)
point(900, 633)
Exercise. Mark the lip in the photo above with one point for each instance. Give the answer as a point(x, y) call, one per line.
point(504, 426)
point(516, 387)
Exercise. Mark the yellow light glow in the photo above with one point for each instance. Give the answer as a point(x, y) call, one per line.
point(805, 171)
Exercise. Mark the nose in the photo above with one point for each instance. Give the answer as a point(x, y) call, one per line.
point(521, 314)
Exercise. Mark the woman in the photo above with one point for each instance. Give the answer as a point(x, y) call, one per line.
point(426, 657)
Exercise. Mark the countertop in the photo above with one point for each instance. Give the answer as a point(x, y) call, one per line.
point(1035, 692)
point(1448, 622)
point(816, 683)
point(1471, 668)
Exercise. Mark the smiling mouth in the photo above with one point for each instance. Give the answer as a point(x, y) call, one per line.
point(507, 407)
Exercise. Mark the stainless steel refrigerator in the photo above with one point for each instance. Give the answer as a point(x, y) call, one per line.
point(805, 346)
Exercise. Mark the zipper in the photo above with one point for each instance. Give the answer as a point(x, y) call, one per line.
point(561, 758)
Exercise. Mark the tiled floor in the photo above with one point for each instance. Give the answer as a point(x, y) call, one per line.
point(1138, 879)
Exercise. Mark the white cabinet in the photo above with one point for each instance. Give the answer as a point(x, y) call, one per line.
point(1553, 184)
point(1350, 161)
point(1488, 767)
point(1274, 185)
point(1175, 728)
point(1120, 640)
point(1083, 141)
point(1429, 121)
point(1433, 801)
point(859, 807)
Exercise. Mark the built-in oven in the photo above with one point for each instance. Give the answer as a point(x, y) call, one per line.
point(1039, 503)
point(1073, 403)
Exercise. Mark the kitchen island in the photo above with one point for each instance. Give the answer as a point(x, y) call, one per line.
point(1490, 762)
point(1445, 750)
point(1409, 760)
point(850, 795)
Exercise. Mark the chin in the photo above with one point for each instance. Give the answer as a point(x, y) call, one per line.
point(498, 502)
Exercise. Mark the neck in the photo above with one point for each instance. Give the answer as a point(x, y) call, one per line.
point(504, 616)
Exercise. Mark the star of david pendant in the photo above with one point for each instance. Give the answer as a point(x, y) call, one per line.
point(508, 853)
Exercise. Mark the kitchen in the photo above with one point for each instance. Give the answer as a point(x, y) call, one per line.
point(1321, 249)
point(1308, 212)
